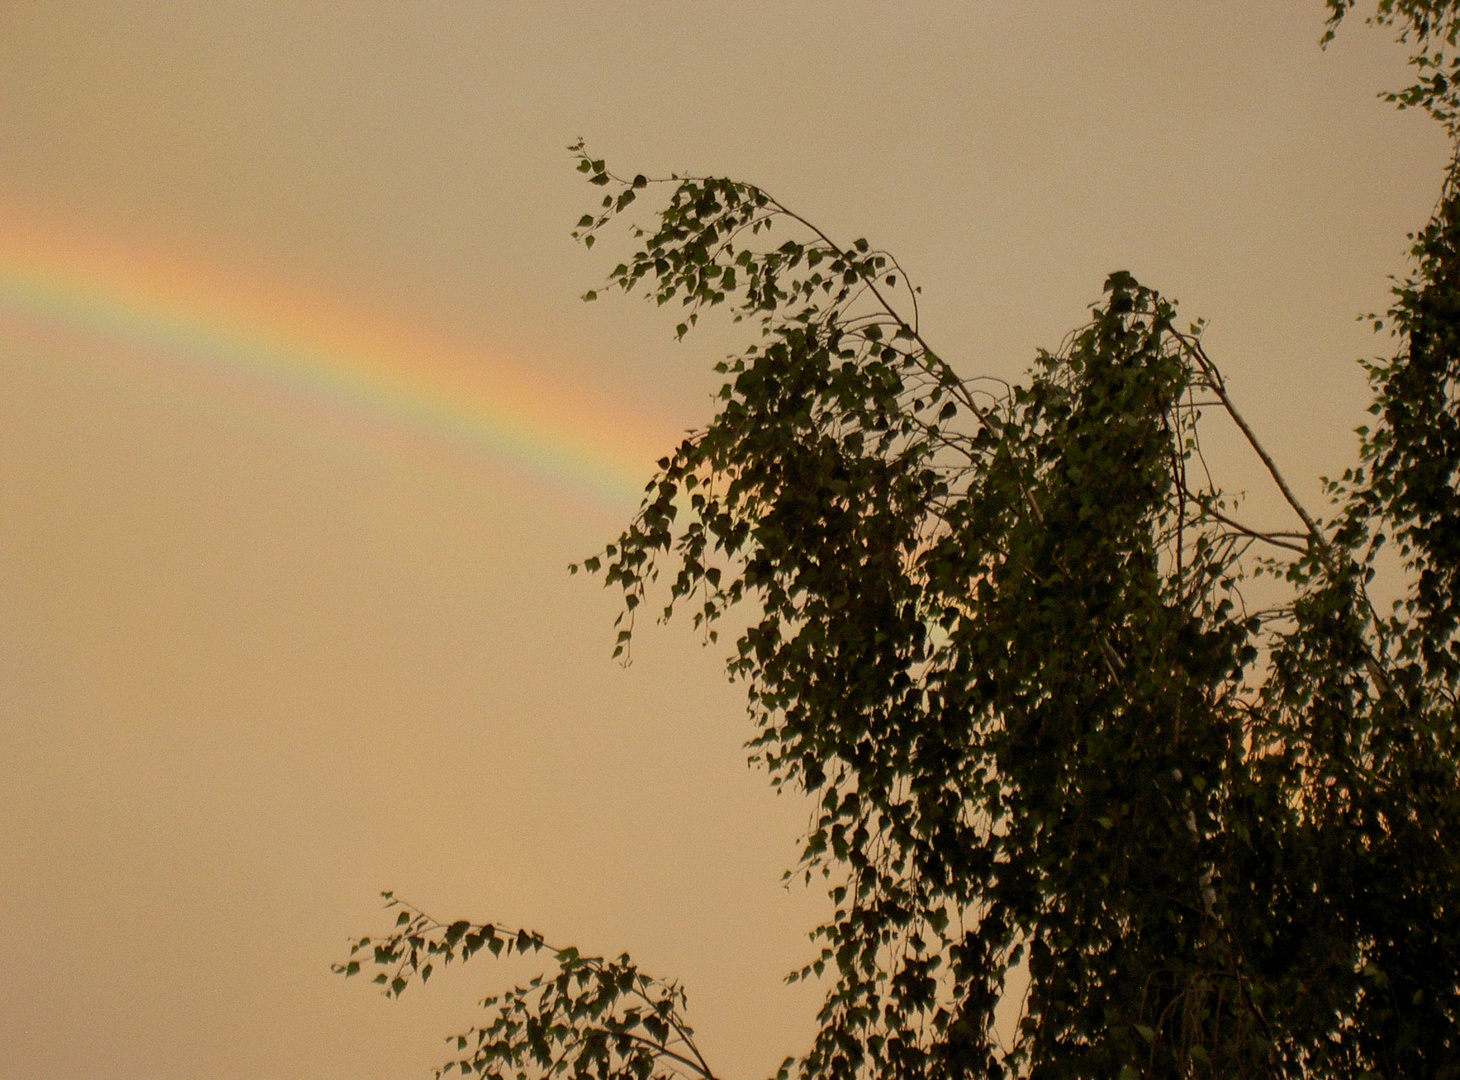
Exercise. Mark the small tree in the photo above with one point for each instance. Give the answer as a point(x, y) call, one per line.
point(998, 633)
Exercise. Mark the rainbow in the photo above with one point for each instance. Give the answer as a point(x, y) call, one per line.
point(301, 348)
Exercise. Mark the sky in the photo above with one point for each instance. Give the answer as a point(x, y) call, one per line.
point(302, 420)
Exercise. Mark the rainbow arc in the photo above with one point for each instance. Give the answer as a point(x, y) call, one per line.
point(307, 349)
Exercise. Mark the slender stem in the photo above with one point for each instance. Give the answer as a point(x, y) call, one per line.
point(684, 1037)
point(660, 1048)
point(1219, 388)
point(1325, 548)
point(1267, 537)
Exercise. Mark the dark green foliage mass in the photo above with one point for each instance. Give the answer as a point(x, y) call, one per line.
point(998, 632)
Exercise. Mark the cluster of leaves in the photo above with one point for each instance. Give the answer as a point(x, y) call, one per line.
point(594, 1019)
point(1083, 813)
point(1392, 774)
point(1433, 27)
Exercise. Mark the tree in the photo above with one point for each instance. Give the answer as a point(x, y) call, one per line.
point(998, 632)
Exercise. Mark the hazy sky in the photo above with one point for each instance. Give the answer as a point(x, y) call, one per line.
point(263, 654)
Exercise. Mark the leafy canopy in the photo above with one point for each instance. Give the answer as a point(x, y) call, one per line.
point(998, 631)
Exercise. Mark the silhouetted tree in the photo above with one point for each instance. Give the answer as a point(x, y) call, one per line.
point(997, 632)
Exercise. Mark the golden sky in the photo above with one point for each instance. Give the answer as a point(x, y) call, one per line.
point(267, 649)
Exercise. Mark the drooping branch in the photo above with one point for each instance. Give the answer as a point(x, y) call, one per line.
point(594, 1017)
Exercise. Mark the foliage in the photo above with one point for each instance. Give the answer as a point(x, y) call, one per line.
point(596, 1017)
point(999, 632)
point(1433, 26)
